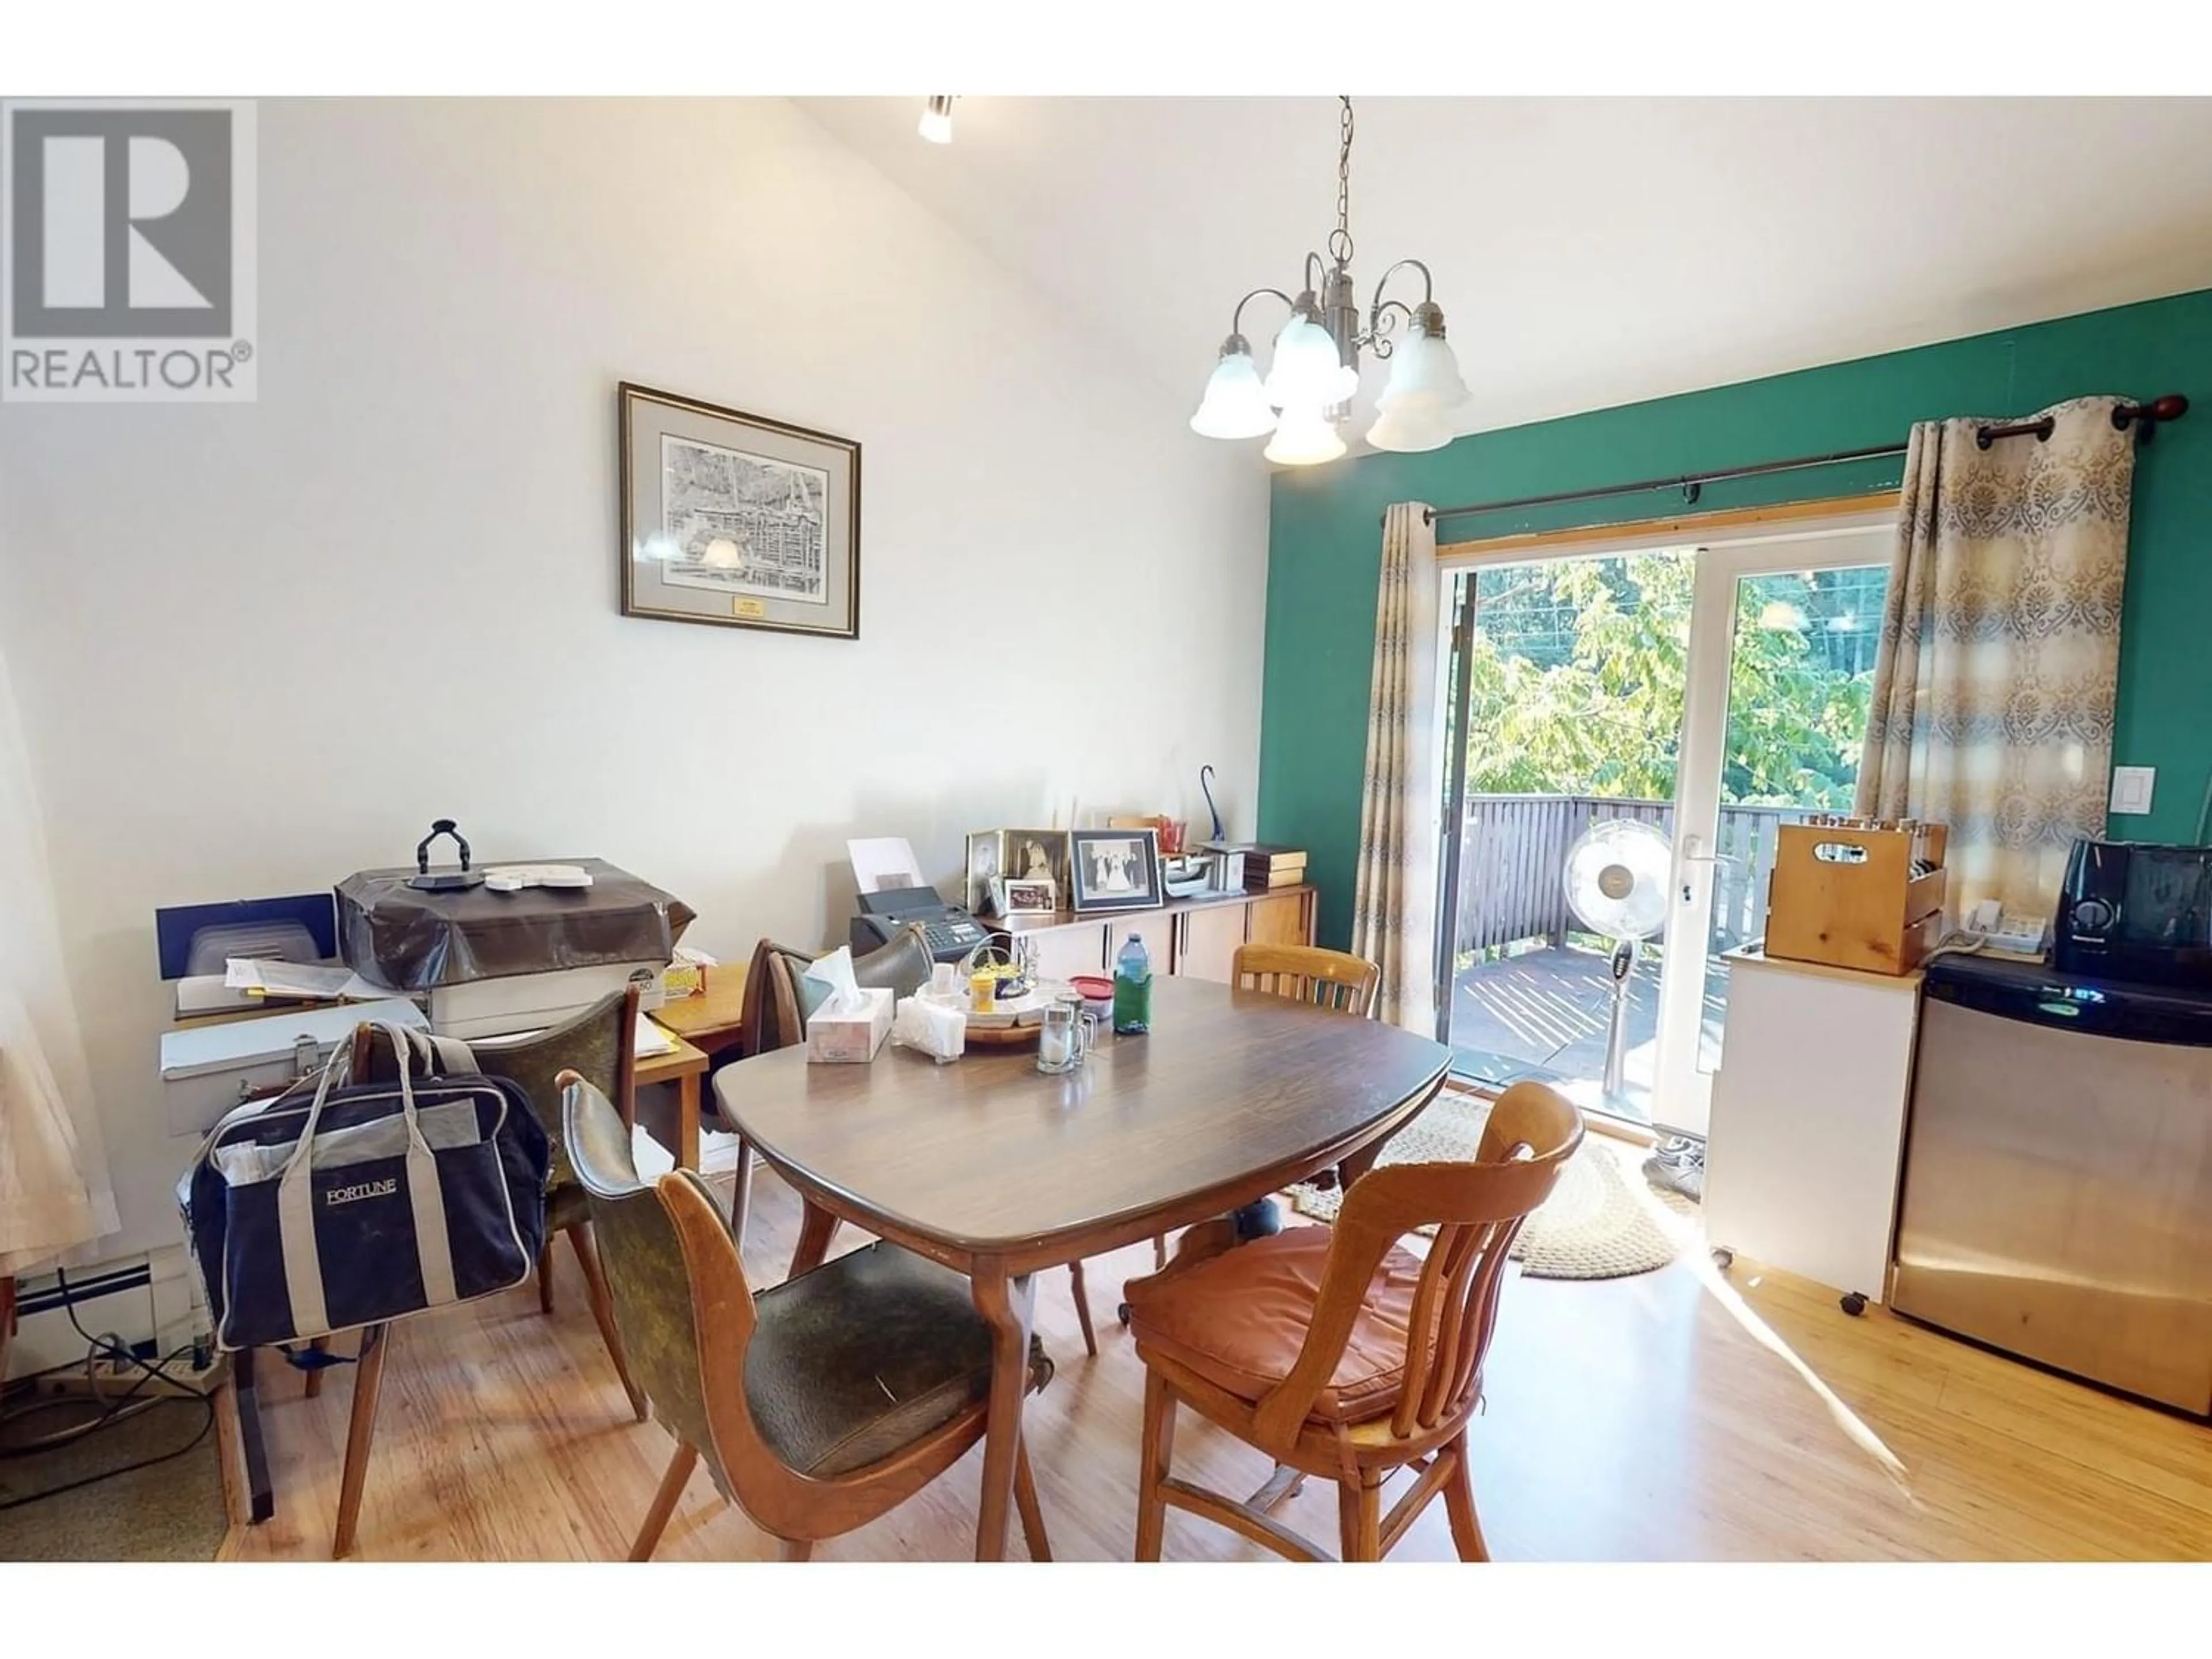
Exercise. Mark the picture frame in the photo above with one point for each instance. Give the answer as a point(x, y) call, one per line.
point(1115, 870)
point(1021, 895)
point(985, 863)
point(736, 520)
point(1036, 854)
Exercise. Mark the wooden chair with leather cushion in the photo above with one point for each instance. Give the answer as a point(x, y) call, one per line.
point(817, 1406)
point(776, 1006)
point(1341, 1353)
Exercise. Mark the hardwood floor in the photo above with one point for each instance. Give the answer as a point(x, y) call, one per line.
point(1639, 1418)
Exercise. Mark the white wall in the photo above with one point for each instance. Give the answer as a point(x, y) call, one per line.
point(257, 647)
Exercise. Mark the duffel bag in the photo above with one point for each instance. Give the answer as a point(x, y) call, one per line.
point(367, 1202)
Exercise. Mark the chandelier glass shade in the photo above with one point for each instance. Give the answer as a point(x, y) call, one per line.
point(1304, 437)
point(1306, 395)
point(1423, 376)
point(1309, 371)
point(1409, 433)
point(1236, 403)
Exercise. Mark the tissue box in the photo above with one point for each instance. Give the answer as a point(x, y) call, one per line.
point(835, 1038)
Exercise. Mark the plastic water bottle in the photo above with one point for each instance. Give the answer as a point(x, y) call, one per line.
point(1132, 988)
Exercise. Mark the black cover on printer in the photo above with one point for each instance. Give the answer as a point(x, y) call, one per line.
point(411, 940)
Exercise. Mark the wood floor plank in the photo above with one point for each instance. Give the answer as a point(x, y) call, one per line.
point(1670, 1416)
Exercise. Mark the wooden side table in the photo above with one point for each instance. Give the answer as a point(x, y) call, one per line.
point(682, 1066)
point(713, 1021)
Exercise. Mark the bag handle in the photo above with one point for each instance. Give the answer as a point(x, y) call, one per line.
point(432, 1052)
point(295, 1212)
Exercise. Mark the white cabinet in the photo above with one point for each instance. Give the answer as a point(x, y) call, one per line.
point(1803, 1152)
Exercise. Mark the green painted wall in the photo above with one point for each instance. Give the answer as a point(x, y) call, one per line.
point(1325, 536)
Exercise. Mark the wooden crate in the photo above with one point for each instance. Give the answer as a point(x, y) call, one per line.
point(1844, 893)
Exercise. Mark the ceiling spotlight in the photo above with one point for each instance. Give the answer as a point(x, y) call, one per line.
point(937, 120)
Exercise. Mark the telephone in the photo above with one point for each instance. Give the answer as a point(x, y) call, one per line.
point(949, 930)
point(1987, 928)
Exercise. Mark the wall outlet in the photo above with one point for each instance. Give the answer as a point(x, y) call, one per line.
point(2131, 789)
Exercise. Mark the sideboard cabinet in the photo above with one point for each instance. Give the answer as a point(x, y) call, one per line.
point(1196, 938)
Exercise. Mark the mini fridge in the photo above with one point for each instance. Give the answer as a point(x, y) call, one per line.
point(2058, 1184)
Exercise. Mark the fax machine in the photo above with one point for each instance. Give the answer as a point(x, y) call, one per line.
point(949, 930)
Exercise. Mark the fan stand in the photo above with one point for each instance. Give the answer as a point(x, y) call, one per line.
point(1677, 1164)
point(1623, 964)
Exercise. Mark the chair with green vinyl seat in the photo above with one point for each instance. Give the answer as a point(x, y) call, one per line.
point(778, 1000)
point(817, 1406)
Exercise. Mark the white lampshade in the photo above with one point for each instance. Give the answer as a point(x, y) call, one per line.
point(1423, 376)
point(937, 120)
point(1304, 438)
point(1306, 368)
point(1235, 404)
point(1408, 431)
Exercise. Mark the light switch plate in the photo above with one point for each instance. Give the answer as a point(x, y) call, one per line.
point(2131, 788)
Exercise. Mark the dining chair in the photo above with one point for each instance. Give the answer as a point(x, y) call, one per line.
point(817, 1406)
point(773, 1016)
point(1342, 1354)
point(600, 1043)
point(1335, 980)
point(775, 1019)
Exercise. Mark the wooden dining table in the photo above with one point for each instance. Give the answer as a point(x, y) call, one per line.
point(997, 1170)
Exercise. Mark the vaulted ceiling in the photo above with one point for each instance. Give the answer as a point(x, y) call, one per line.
point(1587, 252)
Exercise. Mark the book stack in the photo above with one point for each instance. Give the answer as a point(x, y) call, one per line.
point(1266, 867)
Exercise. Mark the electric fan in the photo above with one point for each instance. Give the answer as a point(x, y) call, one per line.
point(1616, 880)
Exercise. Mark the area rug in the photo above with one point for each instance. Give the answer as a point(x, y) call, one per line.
point(1603, 1221)
point(169, 1511)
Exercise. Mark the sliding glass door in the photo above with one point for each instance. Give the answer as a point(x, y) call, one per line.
point(1781, 664)
point(1665, 709)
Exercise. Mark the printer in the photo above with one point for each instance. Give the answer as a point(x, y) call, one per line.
point(487, 961)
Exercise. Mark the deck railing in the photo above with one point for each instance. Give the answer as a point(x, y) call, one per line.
point(1513, 860)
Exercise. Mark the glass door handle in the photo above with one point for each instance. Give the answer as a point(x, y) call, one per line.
point(1687, 856)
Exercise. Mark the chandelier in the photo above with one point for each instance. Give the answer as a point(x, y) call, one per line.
point(1306, 396)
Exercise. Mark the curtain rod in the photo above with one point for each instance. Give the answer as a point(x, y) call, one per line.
point(2170, 407)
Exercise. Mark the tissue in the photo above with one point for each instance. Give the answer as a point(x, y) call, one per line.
point(835, 971)
point(923, 1023)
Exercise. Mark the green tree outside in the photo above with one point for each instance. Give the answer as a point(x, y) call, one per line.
point(1578, 667)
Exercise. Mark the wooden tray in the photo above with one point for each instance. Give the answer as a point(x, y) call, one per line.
point(1003, 1037)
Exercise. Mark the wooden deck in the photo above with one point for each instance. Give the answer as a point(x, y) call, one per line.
point(1543, 1013)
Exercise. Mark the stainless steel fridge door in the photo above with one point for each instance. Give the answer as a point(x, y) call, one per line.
point(2057, 1199)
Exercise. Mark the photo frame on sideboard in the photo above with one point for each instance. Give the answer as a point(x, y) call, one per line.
point(1115, 870)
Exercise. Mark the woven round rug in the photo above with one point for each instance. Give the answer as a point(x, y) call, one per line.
point(1603, 1221)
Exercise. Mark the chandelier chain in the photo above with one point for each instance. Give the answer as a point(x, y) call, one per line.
point(1339, 241)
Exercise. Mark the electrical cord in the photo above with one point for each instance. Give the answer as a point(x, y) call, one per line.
point(128, 1405)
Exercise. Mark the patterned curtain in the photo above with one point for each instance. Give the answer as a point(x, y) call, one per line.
point(1994, 684)
point(1394, 899)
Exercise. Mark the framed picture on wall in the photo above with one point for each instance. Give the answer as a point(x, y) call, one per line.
point(732, 519)
point(1116, 869)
